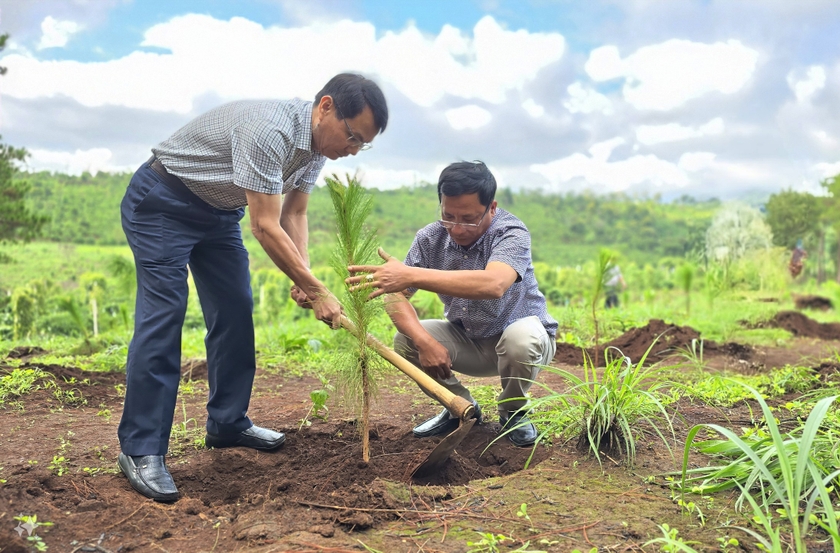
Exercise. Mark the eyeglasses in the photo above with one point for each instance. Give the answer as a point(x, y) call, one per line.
point(448, 225)
point(353, 140)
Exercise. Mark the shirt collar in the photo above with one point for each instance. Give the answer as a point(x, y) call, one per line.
point(303, 112)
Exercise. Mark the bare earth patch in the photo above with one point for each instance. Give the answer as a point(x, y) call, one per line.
point(315, 494)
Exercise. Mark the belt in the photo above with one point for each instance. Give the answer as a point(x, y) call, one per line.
point(175, 184)
point(158, 168)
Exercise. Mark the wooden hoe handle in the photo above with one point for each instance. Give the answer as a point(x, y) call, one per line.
point(456, 404)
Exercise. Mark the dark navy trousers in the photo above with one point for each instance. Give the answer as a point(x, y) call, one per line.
point(168, 229)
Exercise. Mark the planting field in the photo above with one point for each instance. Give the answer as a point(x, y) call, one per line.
point(58, 451)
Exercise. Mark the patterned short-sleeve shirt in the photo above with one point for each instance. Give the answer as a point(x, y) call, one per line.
point(259, 145)
point(506, 240)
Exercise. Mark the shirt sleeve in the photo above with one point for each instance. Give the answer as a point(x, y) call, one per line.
point(415, 258)
point(258, 149)
point(513, 248)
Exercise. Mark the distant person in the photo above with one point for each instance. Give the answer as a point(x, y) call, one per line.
point(613, 285)
point(797, 259)
point(182, 208)
point(477, 258)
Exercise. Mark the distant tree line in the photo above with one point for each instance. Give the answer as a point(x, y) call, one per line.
point(567, 229)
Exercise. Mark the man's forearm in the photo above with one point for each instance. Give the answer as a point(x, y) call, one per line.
point(284, 253)
point(404, 317)
point(471, 285)
point(297, 228)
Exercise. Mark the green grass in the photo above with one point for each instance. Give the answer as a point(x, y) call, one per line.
point(61, 263)
point(776, 472)
point(604, 411)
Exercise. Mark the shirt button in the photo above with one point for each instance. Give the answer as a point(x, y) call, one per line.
point(465, 257)
point(463, 309)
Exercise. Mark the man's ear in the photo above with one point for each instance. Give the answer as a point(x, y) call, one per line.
point(325, 105)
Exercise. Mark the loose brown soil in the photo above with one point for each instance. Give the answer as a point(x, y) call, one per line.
point(316, 495)
point(813, 302)
point(799, 325)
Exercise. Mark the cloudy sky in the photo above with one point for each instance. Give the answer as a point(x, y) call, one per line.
point(722, 98)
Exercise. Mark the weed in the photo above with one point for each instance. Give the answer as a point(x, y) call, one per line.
point(319, 403)
point(490, 542)
point(486, 396)
point(30, 524)
point(671, 542)
point(522, 512)
point(104, 412)
point(693, 354)
point(726, 542)
point(604, 413)
point(21, 381)
point(58, 465)
point(781, 468)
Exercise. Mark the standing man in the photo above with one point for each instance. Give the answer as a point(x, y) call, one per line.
point(477, 258)
point(182, 208)
point(613, 285)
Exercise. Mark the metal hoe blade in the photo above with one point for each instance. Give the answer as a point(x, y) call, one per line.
point(439, 455)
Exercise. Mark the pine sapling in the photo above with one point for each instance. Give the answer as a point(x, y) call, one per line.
point(356, 245)
point(605, 259)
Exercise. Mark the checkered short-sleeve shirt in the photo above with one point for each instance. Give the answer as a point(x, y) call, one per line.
point(506, 240)
point(259, 145)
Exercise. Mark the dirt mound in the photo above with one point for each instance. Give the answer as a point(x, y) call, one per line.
point(799, 325)
point(23, 352)
point(661, 338)
point(813, 302)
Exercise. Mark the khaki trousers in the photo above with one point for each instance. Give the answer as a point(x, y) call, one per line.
point(514, 356)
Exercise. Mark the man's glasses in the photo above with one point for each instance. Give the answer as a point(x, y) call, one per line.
point(448, 225)
point(353, 140)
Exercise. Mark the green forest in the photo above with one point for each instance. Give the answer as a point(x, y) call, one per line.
point(567, 229)
point(79, 254)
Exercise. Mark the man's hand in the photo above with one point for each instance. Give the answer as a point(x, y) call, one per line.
point(300, 297)
point(327, 309)
point(326, 306)
point(434, 360)
point(389, 278)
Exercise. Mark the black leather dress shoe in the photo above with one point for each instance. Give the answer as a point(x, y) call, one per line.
point(442, 423)
point(148, 475)
point(522, 433)
point(255, 437)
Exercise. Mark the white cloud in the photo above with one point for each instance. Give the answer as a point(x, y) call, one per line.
point(74, 163)
point(253, 62)
point(804, 88)
point(656, 134)
point(615, 176)
point(667, 75)
point(468, 117)
point(586, 100)
point(534, 109)
point(825, 170)
point(696, 161)
point(56, 33)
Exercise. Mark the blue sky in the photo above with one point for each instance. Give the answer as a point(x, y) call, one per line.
point(727, 98)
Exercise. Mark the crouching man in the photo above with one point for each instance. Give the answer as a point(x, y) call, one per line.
point(477, 258)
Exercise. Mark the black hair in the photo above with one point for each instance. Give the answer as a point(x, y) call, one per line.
point(467, 177)
point(351, 93)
